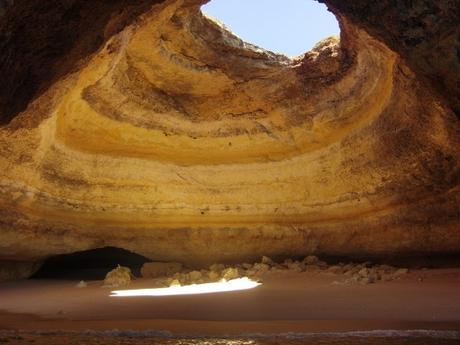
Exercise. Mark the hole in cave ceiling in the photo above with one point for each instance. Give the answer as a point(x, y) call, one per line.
point(289, 27)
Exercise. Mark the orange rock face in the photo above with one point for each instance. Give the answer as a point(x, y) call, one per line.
point(178, 141)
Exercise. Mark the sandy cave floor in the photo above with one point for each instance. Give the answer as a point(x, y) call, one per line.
point(285, 302)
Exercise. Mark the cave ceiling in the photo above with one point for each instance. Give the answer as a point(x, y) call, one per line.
point(152, 128)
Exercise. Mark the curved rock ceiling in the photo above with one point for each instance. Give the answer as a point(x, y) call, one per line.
point(178, 141)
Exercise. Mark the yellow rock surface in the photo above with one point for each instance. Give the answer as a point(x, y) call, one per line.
point(180, 142)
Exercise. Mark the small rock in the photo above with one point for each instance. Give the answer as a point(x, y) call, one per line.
point(246, 266)
point(266, 260)
point(373, 278)
point(400, 272)
point(81, 284)
point(194, 276)
point(174, 282)
point(296, 266)
point(364, 272)
point(213, 276)
point(311, 260)
point(335, 269)
point(261, 268)
point(251, 273)
point(230, 273)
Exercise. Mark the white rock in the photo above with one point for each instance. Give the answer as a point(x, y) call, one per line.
point(81, 284)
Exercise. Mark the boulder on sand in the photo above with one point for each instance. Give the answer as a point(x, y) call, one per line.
point(118, 277)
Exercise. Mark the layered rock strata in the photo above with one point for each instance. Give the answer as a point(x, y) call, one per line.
point(180, 142)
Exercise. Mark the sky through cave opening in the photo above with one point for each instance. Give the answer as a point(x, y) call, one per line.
point(289, 27)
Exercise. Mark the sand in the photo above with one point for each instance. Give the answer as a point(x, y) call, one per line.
point(285, 302)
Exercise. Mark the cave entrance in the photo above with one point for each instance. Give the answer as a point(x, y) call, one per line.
point(289, 27)
point(89, 264)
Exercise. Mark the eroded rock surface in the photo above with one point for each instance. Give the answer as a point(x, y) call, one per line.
point(180, 142)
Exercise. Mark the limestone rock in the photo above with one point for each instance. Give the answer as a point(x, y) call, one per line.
point(195, 277)
point(174, 283)
point(231, 273)
point(261, 268)
point(118, 277)
point(363, 272)
point(214, 276)
point(246, 266)
point(266, 260)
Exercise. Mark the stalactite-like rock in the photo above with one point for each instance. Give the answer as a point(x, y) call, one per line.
point(178, 141)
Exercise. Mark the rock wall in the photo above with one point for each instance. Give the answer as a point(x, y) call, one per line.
point(178, 141)
point(425, 33)
point(14, 270)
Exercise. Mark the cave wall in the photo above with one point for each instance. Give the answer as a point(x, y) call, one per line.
point(172, 138)
point(41, 41)
point(425, 33)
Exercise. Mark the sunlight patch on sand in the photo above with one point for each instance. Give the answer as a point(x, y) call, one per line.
point(221, 286)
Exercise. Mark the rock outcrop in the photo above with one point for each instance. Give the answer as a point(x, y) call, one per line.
point(180, 142)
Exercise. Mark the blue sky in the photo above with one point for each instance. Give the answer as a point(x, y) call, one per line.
point(291, 27)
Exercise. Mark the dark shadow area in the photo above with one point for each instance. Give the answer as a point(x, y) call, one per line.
point(42, 41)
point(89, 265)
